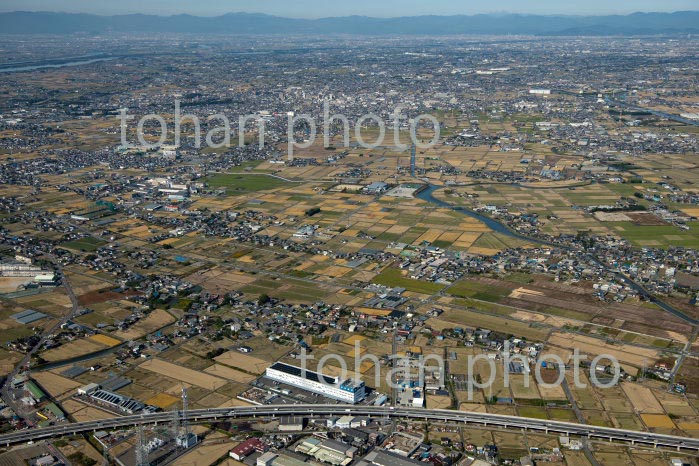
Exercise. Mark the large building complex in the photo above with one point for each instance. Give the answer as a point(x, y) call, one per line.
point(349, 391)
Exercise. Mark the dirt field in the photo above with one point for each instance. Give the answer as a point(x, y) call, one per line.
point(204, 455)
point(7, 361)
point(155, 320)
point(438, 402)
point(227, 373)
point(642, 399)
point(10, 284)
point(675, 405)
point(472, 408)
point(73, 349)
point(56, 385)
point(243, 361)
point(84, 413)
point(635, 356)
point(552, 393)
point(183, 374)
point(100, 296)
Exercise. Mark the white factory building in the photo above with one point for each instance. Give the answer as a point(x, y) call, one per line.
point(349, 391)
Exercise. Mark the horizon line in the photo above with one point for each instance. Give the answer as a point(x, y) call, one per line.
point(252, 13)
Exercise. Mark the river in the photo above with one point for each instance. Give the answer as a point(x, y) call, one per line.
point(40, 66)
point(498, 227)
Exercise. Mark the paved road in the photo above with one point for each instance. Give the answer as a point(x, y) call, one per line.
point(5, 390)
point(477, 419)
point(581, 419)
point(497, 226)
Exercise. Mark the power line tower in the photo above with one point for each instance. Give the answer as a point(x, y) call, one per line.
point(141, 451)
point(185, 424)
point(186, 439)
point(175, 422)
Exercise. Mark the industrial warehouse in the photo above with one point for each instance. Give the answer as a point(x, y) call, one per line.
point(349, 391)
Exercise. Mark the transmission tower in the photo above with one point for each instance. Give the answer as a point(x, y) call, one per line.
point(141, 452)
point(185, 425)
point(175, 422)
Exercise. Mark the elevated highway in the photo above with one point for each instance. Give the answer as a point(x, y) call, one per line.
point(645, 439)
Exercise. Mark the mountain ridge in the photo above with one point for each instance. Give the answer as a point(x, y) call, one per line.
point(681, 22)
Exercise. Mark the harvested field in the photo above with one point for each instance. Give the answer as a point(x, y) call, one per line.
point(642, 399)
point(203, 455)
point(674, 404)
point(163, 400)
point(84, 413)
point(183, 374)
point(73, 349)
point(633, 355)
point(8, 360)
point(646, 219)
point(438, 402)
point(154, 321)
point(225, 372)
point(473, 407)
point(102, 296)
point(105, 340)
point(244, 362)
point(658, 421)
point(54, 384)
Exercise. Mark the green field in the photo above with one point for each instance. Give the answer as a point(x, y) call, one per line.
point(88, 244)
point(662, 236)
point(394, 278)
point(248, 183)
point(480, 291)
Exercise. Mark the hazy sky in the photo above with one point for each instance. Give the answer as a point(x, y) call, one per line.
point(320, 8)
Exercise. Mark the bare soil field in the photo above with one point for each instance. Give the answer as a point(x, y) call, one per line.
point(244, 362)
point(155, 320)
point(102, 296)
point(635, 356)
point(204, 454)
point(84, 413)
point(183, 374)
point(646, 219)
point(73, 349)
point(642, 399)
point(227, 373)
point(8, 360)
point(10, 284)
point(674, 404)
point(56, 385)
point(438, 402)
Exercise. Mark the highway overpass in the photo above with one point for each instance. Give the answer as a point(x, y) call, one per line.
point(630, 437)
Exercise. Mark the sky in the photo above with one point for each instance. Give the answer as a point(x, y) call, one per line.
point(325, 8)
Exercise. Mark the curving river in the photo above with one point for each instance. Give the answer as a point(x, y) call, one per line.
point(498, 227)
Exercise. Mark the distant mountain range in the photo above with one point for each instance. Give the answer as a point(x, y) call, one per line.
point(685, 22)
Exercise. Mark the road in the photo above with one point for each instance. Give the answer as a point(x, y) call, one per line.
point(26, 360)
point(499, 227)
point(636, 438)
point(581, 419)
